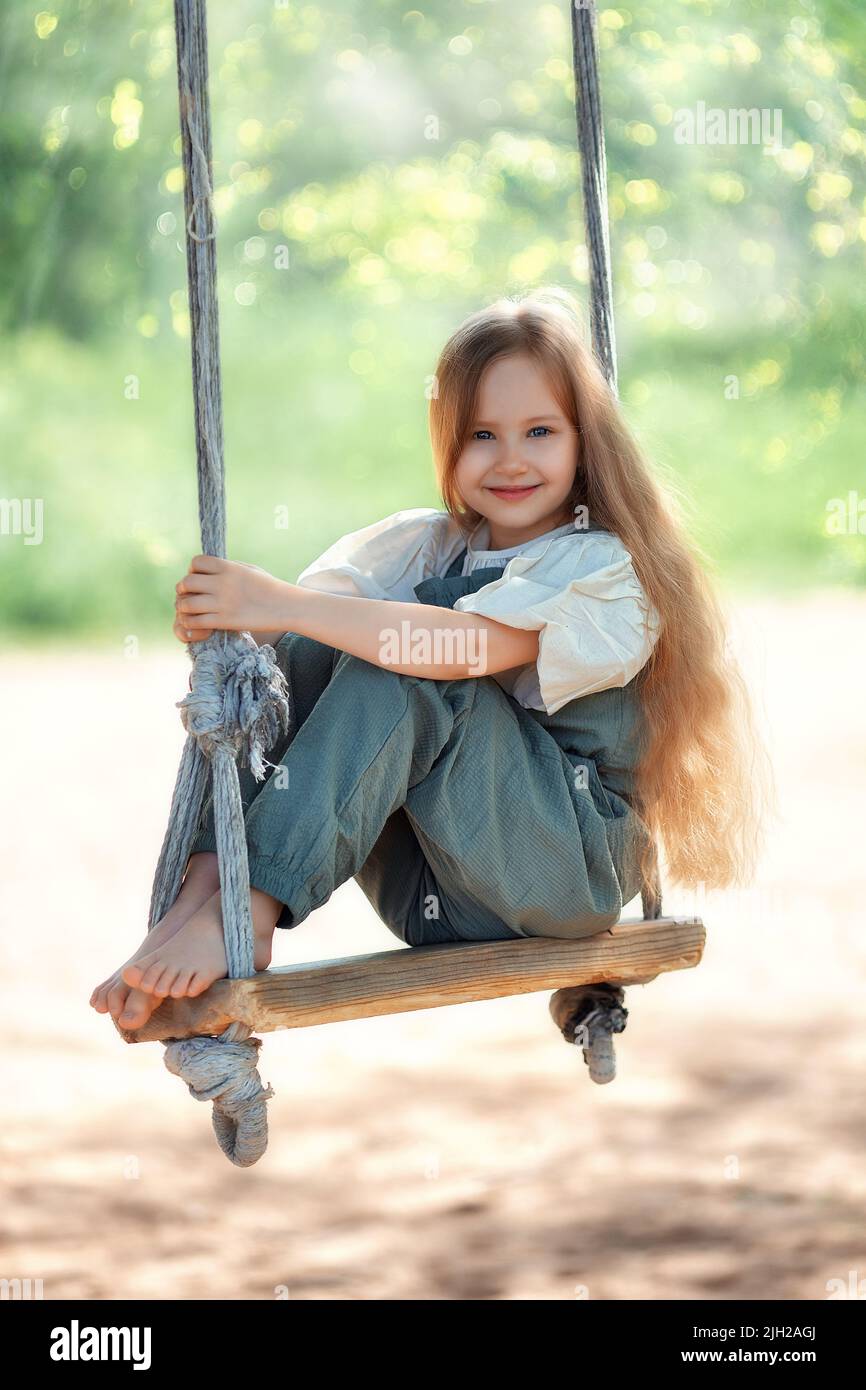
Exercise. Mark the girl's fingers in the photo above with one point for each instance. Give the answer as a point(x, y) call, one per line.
point(200, 567)
point(194, 584)
point(186, 634)
point(194, 603)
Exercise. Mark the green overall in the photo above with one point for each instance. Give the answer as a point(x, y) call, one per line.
point(461, 814)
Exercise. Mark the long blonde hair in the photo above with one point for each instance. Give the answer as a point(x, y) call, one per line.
point(702, 777)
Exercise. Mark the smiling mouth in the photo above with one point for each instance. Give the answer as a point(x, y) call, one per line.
point(513, 494)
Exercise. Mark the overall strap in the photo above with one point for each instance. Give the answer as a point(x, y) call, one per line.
point(456, 565)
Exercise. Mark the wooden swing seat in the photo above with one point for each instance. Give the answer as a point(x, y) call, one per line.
point(428, 977)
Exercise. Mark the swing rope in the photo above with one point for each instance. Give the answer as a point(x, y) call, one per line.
point(589, 1015)
point(593, 164)
point(593, 168)
point(237, 706)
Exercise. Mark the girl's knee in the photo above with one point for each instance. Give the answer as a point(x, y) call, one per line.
point(380, 676)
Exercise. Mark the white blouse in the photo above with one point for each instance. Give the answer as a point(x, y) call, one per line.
point(578, 589)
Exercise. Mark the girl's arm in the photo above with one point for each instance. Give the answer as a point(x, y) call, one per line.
point(414, 639)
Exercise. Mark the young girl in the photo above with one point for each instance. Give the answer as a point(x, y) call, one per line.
point(497, 709)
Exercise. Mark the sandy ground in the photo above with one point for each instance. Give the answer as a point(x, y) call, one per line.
point(460, 1153)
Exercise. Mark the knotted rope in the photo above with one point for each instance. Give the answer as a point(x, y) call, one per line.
point(592, 1013)
point(237, 706)
point(588, 1016)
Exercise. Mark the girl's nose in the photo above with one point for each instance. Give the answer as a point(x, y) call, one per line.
point(511, 457)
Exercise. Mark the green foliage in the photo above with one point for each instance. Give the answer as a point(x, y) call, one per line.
point(379, 172)
point(393, 153)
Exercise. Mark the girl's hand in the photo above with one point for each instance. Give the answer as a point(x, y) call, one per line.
point(224, 594)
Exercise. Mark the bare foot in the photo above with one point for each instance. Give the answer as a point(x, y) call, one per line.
point(200, 883)
point(190, 960)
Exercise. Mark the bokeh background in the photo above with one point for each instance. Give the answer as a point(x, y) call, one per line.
point(380, 172)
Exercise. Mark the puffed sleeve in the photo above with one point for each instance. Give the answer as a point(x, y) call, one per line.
point(387, 558)
point(596, 627)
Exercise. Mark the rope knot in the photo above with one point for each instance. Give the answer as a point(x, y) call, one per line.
point(238, 699)
point(226, 1072)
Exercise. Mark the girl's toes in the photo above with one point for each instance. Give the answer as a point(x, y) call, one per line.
point(116, 998)
point(137, 1010)
point(98, 1000)
point(198, 984)
point(151, 975)
point(132, 974)
point(181, 984)
point(163, 982)
point(99, 997)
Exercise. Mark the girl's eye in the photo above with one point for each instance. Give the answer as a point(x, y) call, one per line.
point(546, 428)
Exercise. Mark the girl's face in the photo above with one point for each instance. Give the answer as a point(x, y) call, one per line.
point(518, 463)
